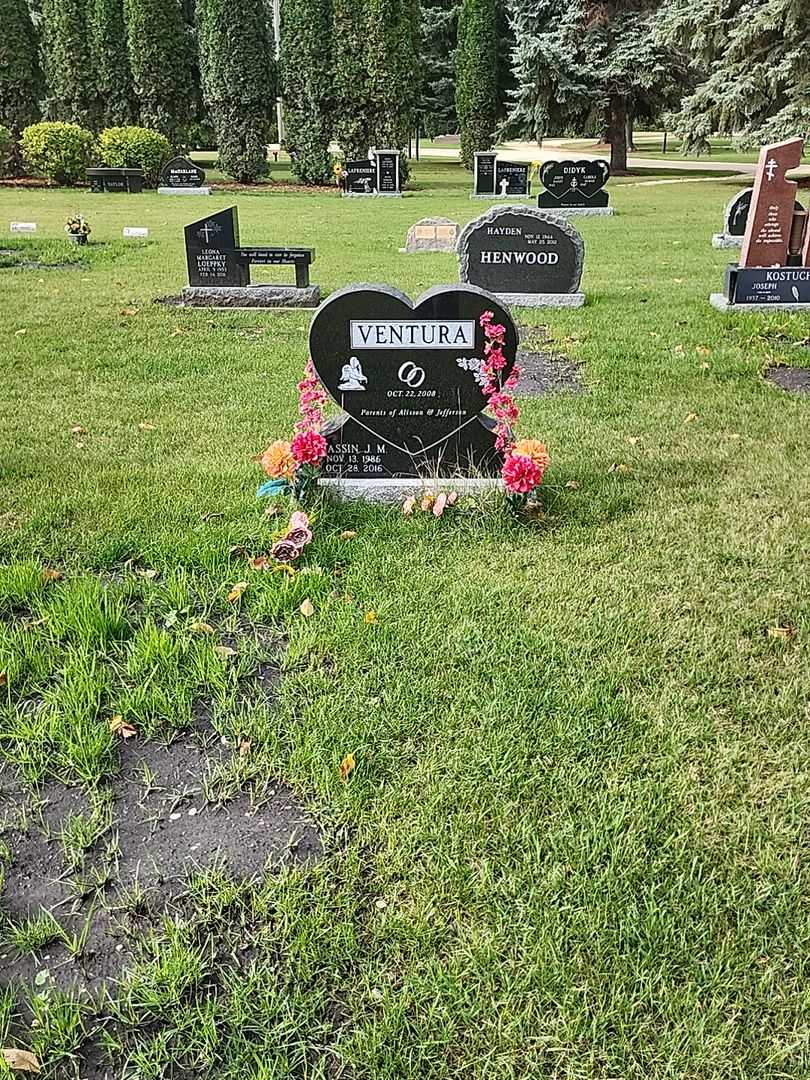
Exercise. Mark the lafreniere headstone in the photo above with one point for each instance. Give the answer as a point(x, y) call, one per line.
point(431, 234)
point(378, 175)
point(494, 179)
point(524, 256)
point(219, 268)
point(575, 187)
point(408, 376)
point(773, 272)
point(181, 176)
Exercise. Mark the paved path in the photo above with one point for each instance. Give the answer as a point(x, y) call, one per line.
point(554, 149)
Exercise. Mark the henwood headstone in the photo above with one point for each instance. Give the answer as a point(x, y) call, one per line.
point(219, 268)
point(408, 376)
point(773, 270)
point(431, 234)
point(524, 256)
point(181, 176)
point(575, 187)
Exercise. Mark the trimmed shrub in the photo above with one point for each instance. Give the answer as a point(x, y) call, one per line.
point(135, 148)
point(6, 148)
point(60, 151)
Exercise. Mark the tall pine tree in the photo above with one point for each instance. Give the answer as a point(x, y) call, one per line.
point(352, 122)
point(307, 91)
point(113, 76)
point(237, 82)
point(438, 101)
point(20, 75)
point(752, 68)
point(160, 56)
point(477, 76)
point(71, 92)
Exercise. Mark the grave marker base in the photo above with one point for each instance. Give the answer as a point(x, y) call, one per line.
point(251, 296)
point(579, 211)
point(397, 489)
point(764, 288)
point(725, 240)
point(541, 300)
point(371, 194)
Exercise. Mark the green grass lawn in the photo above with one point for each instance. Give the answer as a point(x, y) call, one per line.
point(574, 845)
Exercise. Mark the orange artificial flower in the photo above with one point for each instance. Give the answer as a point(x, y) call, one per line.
point(534, 449)
point(277, 460)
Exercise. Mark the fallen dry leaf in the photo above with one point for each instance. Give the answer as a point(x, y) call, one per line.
point(347, 767)
point(679, 349)
point(19, 333)
point(21, 1060)
point(619, 467)
point(144, 426)
point(260, 562)
point(370, 617)
point(236, 591)
point(572, 484)
point(129, 311)
point(224, 650)
point(784, 631)
point(426, 503)
point(149, 574)
point(272, 510)
point(690, 417)
point(409, 505)
point(3, 678)
point(52, 575)
point(348, 534)
point(78, 430)
point(634, 440)
point(244, 747)
point(119, 726)
point(201, 628)
point(703, 350)
point(307, 608)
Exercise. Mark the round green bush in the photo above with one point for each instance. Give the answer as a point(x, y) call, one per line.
point(59, 151)
point(135, 148)
point(6, 147)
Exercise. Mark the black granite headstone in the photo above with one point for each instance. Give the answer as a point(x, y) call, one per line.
point(180, 172)
point(760, 286)
point(408, 377)
point(484, 174)
point(511, 178)
point(212, 251)
point(737, 213)
point(513, 250)
point(360, 177)
point(126, 181)
point(387, 171)
point(573, 184)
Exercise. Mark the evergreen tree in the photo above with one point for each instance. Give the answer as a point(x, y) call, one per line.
point(113, 77)
point(476, 76)
point(306, 78)
point(20, 76)
point(587, 65)
point(71, 93)
point(352, 122)
point(160, 56)
point(752, 67)
point(237, 82)
point(438, 102)
point(391, 58)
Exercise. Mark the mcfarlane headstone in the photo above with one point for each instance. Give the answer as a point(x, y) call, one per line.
point(524, 256)
point(219, 268)
point(181, 176)
point(408, 377)
point(575, 187)
point(772, 272)
point(484, 175)
point(431, 234)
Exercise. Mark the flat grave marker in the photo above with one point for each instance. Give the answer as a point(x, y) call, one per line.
point(431, 234)
point(133, 232)
point(23, 227)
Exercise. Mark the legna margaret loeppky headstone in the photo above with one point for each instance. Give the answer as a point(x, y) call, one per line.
point(524, 256)
point(409, 379)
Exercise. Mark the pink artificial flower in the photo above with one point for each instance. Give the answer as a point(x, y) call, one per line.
point(300, 537)
point(298, 520)
point(309, 448)
point(496, 332)
point(285, 551)
point(520, 474)
point(485, 319)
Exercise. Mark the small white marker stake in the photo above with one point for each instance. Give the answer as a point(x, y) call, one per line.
point(23, 226)
point(135, 231)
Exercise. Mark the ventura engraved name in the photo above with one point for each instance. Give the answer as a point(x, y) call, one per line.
point(403, 334)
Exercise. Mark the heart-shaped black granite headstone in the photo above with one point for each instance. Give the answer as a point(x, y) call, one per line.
point(564, 179)
point(408, 373)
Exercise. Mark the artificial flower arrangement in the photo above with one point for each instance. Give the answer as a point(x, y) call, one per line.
point(77, 227)
point(290, 547)
point(293, 467)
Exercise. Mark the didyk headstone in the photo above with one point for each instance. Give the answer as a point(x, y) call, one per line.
point(524, 256)
point(575, 187)
point(431, 234)
point(408, 377)
point(181, 176)
point(774, 268)
point(219, 268)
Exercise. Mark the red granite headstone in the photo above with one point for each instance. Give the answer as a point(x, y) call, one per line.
point(771, 215)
